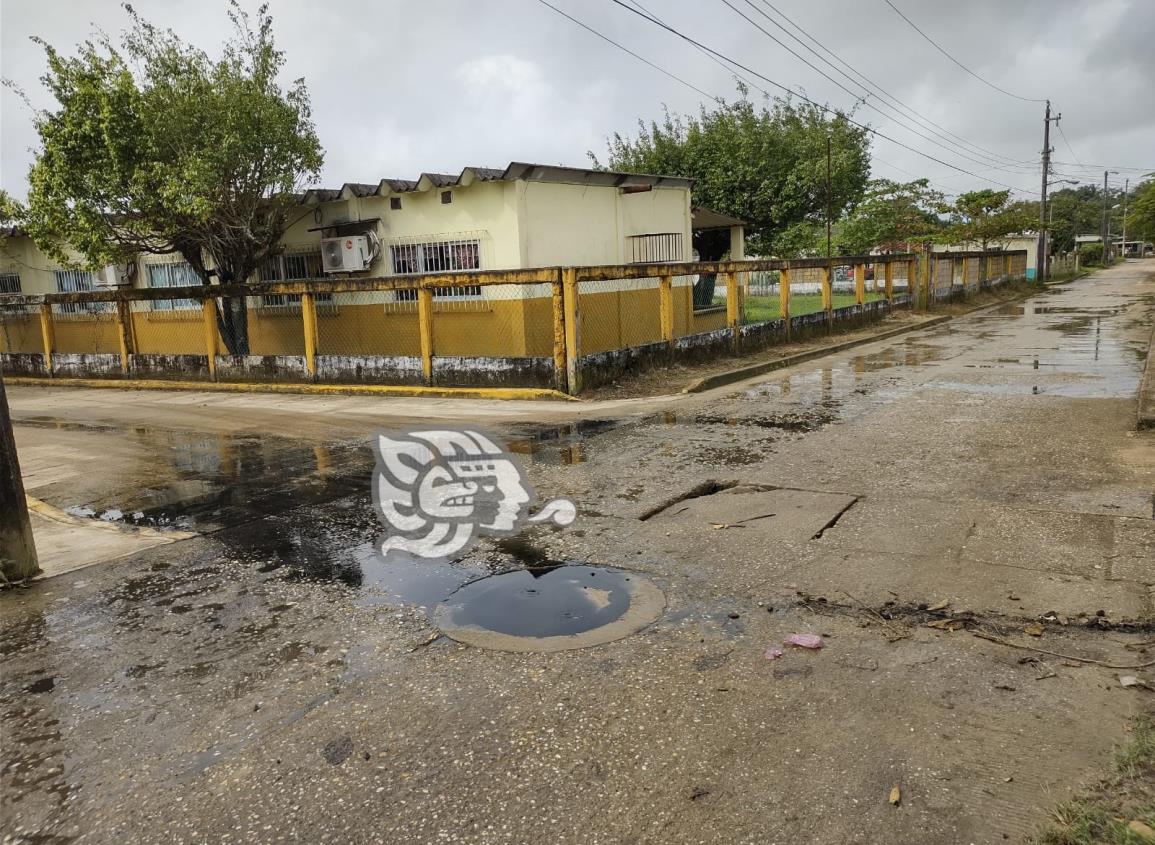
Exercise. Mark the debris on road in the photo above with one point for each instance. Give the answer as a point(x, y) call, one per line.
point(942, 605)
point(804, 640)
point(1133, 681)
point(895, 796)
point(773, 653)
point(1034, 629)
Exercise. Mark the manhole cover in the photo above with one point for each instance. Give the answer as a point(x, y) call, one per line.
point(570, 606)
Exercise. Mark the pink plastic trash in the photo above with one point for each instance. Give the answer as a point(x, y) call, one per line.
point(805, 640)
point(773, 653)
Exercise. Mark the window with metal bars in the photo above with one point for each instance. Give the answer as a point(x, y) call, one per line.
point(659, 248)
point(9, 283)
point(292, 267)
point(437, 257)
point(176, 274)
point(75, 281)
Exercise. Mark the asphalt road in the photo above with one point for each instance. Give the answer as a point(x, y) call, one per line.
point(275, 680)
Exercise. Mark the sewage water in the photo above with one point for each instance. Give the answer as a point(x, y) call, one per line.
point(568, 599)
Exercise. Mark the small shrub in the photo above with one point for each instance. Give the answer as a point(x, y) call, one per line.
point(1091, 253)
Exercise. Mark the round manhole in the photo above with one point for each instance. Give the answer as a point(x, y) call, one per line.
point(570, 606)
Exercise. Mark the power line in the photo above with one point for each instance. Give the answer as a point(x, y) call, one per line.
point(859, 97)
point(1070, 149)
point(859, 78)
point(804, 98)
point(957, 62)
point(606, 38)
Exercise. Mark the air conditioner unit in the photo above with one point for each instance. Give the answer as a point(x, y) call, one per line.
point(349, 253)
point(115, 275)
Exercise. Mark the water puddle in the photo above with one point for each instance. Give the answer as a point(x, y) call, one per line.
point(567, 599)
point(559, 444)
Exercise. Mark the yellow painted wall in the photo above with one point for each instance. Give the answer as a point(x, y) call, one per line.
point(20, 333)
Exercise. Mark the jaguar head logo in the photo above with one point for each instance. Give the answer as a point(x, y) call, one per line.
point(438, 490)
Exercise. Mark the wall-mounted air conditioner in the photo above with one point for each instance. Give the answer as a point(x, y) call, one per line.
point(115, 275)
point(349, 253)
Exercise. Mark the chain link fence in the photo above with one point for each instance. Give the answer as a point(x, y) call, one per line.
point(563, 328)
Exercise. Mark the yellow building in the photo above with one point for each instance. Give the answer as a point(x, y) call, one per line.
point(525, 216)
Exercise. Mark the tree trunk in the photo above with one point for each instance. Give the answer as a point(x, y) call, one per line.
point(234, 323)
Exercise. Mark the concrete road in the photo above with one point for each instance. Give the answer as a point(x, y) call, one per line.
point(276, 680)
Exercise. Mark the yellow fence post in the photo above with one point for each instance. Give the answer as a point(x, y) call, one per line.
point(888, 275)
point(569, 288)
point(784, 297)
point(557, 303)
point(309, 324)
point(827, 295)
point(47, 335)
point(666, 304)
point(124, 334)
point(1007, 266)
point(209, 309)
point(859, 284)
point(732, 311)
point(425, 326)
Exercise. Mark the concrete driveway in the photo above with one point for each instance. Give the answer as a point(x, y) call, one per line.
point(274, 679)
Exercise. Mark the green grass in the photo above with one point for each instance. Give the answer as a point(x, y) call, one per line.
point(762, 308)
point(1101, 818)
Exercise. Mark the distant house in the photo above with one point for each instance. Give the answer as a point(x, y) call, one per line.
point(1027, 240)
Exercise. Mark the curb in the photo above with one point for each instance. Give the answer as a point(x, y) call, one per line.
point(1146, 415)
point(742, 373)
point(525, 393)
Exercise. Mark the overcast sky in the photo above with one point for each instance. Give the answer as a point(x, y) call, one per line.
point(436, 85)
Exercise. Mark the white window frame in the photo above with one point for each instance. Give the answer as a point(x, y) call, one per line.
point(285, 268)
point(172, 274)
point(438, 255)
point(75, 281)
point(656, 248)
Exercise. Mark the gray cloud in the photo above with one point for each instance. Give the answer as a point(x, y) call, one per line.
point(399, 88)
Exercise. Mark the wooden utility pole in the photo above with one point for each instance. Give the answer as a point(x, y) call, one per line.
point(1104, 228)
point(17, 550)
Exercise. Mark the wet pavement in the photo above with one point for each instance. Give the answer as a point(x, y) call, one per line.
point(277, 679)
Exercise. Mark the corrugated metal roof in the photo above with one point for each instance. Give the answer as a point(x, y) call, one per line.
point(514, 171)
point(706, 218)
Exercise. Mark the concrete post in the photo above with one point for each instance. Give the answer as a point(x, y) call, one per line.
point(17, 548)
point(425, 327)
point(666, 306)
point(733, 312)
point(557, 302)
point(47, 335)
point(888, 269)
point(784, 297)
point(859, 284)
point(572, 330)
point(124, 334)
point(309, 324)
point(209, 313)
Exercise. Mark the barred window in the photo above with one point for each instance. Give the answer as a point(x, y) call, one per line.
point(76, 281)
point(9, 283)
point(437, 257)
point(292, 266)
point(658, 248)
point(176, 274)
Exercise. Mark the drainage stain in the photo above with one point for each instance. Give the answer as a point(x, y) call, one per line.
point(567, 600)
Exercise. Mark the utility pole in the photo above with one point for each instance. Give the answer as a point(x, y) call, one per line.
point(17, 549)
point(1105, 230)
point(1041, 256)
point(1126, 188)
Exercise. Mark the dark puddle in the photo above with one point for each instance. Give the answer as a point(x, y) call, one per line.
point(559, 444)
point(559, 601)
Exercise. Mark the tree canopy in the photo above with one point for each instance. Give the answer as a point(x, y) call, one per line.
point(891, 216)
point(981, 217)
point(765, 165)
point(1141, 213)
point(156, 147)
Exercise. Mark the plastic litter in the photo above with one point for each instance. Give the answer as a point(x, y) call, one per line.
point(804, 640)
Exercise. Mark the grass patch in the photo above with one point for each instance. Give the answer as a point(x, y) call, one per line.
point(762, 308)
point(1127, 795)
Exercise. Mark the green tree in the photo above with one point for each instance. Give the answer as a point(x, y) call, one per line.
point(987, 216)
point(1141, 213)
point(891, 216)
point(155, 147)
point(765, 165)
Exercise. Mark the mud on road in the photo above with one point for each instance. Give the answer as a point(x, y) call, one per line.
point(275, 679)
